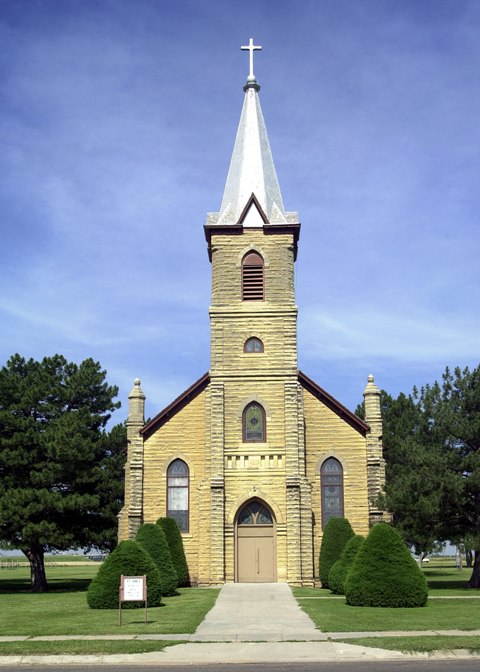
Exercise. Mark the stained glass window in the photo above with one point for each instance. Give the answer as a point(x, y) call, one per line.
point(177, 493)
point(253, 345)
point(331, 477)
point(254, 423)
point(255, 514)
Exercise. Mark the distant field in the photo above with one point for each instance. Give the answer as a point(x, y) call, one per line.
point(9, 561)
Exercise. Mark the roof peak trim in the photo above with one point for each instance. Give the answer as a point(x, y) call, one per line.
point(177, 404)
point(333, 404)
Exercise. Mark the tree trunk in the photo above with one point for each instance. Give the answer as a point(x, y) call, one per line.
point(37, 568)
point(469, 558)
point(475, 578)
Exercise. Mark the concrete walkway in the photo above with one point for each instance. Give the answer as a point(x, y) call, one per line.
point(257, 612)
point(249, 623)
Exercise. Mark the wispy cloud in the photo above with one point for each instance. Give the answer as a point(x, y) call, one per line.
point(117, 121)
point(363, 334)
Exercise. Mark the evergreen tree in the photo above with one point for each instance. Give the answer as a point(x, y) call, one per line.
point(111, 487)
point(175, 544)
point(52, 457)
point(335, 536)
point(384, 574)
point(432, 452)
point(338, 573)
point(417, 483)
point(453, 409)
point(129, 559)
point(152, 539)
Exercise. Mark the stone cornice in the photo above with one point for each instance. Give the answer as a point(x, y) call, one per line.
point(238, 230)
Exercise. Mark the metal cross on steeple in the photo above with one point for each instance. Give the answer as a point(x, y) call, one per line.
point(251, 48)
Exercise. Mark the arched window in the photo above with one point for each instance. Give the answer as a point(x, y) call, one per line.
point(254, 425)
point(255, 513)
point(252, 277)
point(253, 345)
point(331, 479)
point(177, 493)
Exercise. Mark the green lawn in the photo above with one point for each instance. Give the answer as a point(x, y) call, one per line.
point(446, 580)
point(419, 644)
point(333, 615)
point(442, 577)
point(79, 647)
point(64, 610)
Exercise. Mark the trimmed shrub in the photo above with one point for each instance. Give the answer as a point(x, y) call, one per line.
point(175, 544)
point(130, 559)
point(338, 572)
point(335, 535)
point(384, 574)
point(152, 538)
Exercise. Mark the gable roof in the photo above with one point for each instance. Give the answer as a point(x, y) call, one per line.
point(339, 409)
point(307, 383)
point(176, 406)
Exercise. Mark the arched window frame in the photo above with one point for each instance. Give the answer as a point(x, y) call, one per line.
point(245, 431)
point(255, 514)
point(178, 492)
point(253, 277)
point(333, 481)
point(253, 346)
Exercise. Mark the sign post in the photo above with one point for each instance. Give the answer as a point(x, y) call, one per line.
point(132, 589)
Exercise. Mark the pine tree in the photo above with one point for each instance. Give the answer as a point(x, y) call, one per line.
point(52, 457)
point(432, 452)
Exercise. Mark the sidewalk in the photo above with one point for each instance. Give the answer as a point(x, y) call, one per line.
point(249, 612)
point(249, 623)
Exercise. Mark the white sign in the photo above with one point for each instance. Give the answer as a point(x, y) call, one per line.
point(133, 588)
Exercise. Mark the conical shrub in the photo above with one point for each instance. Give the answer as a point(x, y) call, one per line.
point(175, 544)
point(152, 539)
point(335, 536)
point(384, 574)
point(338, 572)
point(129, 559)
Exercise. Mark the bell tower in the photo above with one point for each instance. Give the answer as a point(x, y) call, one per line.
point(252, 245)
point(256, 405)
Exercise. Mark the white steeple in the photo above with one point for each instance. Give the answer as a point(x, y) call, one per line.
point(251, 168)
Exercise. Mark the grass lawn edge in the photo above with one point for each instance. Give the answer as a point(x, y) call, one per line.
point(435, 644)
point(77, 647)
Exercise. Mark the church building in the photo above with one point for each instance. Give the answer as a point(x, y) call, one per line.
point(254, 458)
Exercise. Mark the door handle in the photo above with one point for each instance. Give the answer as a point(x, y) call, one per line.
point(258, 561)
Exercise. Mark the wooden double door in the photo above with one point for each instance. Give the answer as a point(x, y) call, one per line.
point(255, 545)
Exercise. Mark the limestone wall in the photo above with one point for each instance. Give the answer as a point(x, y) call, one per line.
point(183, 436)
point(327, 435)
point(227, 254)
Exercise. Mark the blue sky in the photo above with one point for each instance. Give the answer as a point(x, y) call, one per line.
point(117, 123)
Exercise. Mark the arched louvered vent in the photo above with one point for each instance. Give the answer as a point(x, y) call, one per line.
point(252, 277)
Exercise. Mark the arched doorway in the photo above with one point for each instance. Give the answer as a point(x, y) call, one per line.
point(255, 557)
